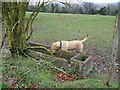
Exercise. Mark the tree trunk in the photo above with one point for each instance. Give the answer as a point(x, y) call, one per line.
point(13, 14)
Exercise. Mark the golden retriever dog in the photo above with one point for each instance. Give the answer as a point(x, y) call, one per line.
point(76, 45)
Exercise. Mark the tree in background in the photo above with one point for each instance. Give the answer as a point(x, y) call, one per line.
point(46, 8)
point(17, 33)
point(80, 8)
point(76, 9)
point(55, 7)
point(89, 7)
point(103, 11)
point(113, 9)
point(52, 8)
point(108, 10)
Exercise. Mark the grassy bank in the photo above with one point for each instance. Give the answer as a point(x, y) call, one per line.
point(50, 27)
point(21, 72)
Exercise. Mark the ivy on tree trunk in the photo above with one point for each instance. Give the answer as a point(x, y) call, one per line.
point(13, 15)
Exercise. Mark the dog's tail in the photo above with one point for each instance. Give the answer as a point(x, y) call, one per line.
point(85, 38)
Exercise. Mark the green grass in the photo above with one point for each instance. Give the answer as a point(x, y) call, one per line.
point(27, 71)
point(85, 83)
point(55, 27)
point(40, 75)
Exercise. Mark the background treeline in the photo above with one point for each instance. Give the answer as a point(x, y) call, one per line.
point(80, 8)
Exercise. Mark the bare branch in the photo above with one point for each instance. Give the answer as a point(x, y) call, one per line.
point(33, 16)
point(80, 2)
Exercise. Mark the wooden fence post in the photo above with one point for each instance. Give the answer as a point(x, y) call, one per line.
point(116, 47)
point(119, 32)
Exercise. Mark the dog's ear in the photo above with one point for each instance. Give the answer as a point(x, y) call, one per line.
point(54, 46)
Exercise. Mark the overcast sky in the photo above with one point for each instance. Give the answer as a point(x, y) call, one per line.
point(94, 1)
point(76, 1)
point(102, 1)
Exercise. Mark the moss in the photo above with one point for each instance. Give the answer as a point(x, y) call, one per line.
point(60, 54)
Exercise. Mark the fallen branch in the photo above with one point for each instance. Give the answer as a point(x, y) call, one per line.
point(45, 63)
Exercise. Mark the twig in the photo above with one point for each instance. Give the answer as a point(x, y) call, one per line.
point(5, 24)
point(59, 69)
point(23, 76)
point(33, 16)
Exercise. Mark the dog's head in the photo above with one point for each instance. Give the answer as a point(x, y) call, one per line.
point(55, 46)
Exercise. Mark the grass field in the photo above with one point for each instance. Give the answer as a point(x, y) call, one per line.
point(54, 27)
point(22, 72)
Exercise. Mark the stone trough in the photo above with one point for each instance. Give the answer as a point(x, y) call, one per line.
point(82, 63)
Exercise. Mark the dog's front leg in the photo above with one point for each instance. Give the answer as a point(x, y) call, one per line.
point(64, 49)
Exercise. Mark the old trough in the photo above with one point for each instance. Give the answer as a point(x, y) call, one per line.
point(82, 63)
